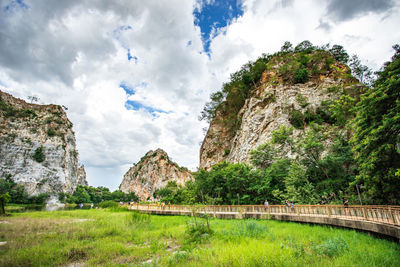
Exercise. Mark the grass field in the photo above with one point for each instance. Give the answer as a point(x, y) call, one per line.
point(122, 238)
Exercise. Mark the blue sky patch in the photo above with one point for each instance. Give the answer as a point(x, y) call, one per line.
point(15, 5)
point(214, 15)
point(117, 34)
point(130, 57)
point(136, 105)
point(129, 90)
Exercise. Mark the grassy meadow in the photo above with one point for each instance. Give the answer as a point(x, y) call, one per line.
point(125, 238)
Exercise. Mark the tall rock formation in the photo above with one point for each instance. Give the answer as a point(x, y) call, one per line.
point(153, 172)
point(38, 147)
point(276, 101)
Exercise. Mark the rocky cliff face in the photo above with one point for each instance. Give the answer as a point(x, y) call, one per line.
point(153, 172)
point(272, 104)
point(37, 147)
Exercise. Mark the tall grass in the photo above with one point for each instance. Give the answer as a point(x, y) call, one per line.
point(104, 237)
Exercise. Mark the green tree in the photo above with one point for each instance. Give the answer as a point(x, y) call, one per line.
point(377, 127)
point(342, 110)
point(263, 156)
point(298, 188)
point(339, 53)
point(305, 46)
point(360, 71)
point(118, 195)
point(4, 194)
point(287, 47)
point(171, 193)
point(81, 196)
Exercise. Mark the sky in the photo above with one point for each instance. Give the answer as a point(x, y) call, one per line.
point(136, 74)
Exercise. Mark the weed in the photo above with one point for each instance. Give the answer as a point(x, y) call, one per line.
point(332, 247)
point(197, 232)
point(76, 254)
point(136, 218)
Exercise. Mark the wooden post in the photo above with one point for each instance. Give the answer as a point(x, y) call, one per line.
point(365, 214)
point(328, 211)
point(391, 215)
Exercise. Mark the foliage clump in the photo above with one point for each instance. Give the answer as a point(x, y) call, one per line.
point(101, 194)
point(377, 134)
point(332, 247)
point(39, 154)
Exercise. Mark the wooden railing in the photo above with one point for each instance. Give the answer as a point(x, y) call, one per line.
point(382, 214)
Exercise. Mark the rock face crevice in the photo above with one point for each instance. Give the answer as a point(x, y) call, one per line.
point(268, 108)
point(153, 172)
point(38, 147)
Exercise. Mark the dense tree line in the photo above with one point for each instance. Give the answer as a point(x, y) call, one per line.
point(90, 194)
point(15, 193)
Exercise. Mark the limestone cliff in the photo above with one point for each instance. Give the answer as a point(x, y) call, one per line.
point(38, 147)
point(153, 172)
point(271, 104)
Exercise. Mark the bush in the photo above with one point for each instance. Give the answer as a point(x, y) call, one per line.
point(39, 199)
point(51, 132)
point(108, 204)
point(301, 75)
point(296, 118)
point(197, 232)
point(302, 100)
point(39, 154)
point(226, 152)
point(332, 247)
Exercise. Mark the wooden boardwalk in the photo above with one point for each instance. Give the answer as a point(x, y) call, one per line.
point(379, 219)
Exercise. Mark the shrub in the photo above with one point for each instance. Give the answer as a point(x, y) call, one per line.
point(226, 152)
point(178, 256)
point(39, 155)
point(301, 75)
point(282, 135)
point(197, 232)
point(296, 118)
point(302, 100)
point(39, 199)
point(51, 132)
point(332, 247)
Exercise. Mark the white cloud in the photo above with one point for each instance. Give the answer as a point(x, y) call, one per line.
point(75, 53)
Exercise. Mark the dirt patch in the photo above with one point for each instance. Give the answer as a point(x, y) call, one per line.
point(75, 264)
point(82, 220)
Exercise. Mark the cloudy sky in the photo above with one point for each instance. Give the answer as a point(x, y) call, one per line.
point(135, 74)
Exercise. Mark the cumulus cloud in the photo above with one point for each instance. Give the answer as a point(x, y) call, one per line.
point(83, 53)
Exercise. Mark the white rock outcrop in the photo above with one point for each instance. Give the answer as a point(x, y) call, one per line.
point(38, 147)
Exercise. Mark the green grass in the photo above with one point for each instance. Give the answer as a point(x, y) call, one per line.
point(123, 238)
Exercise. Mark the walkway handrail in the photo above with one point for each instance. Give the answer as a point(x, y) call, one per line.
point(375, 213)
